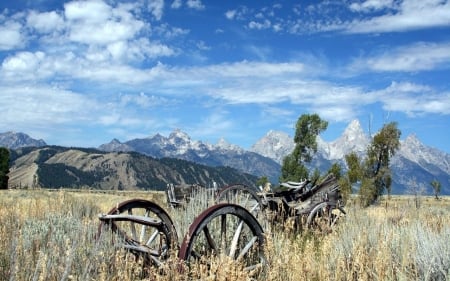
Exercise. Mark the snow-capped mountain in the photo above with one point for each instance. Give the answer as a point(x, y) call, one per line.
point(413, 164)
point(415, 151)
point(275, 145)
point(353, 139)
point(180, 145)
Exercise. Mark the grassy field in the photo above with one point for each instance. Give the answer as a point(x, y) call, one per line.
point(50, 235)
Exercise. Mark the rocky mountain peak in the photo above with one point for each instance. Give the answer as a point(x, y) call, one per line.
point(412, 141)
point(14, 140)
point(179, 136)
point(225, 145)
point(275, 145)
point(354, 131)
point(115, 145)
point(353, 139)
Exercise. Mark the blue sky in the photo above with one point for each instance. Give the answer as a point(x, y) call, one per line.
point(80, 73)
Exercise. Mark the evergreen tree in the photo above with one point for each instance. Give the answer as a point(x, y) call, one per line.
point(308, 127)
point(4, 167)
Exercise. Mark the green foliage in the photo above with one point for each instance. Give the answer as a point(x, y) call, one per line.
point(60, 175)
point(354, 167)
point(4, 167)
point(307, 128)
point(436, 187)
point(344, 183)
point(336, 170)
point(374, 172)
point(291, 170)
point(262, 181)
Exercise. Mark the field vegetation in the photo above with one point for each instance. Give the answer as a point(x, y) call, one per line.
point(51, 235)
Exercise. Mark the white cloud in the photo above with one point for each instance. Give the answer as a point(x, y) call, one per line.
point(92, 12)
point(45, 22)
point(417, 57)
point(371, 5)
point(370, 16)
point(414, 99)
point(230, 14)
point(156, 7)
point(265, 24)
point(95, 22)
point(195, 4)
point(25, 66)
point(11, 35)
point(411, 15)
point(39, 105)
point(176, 4)
point(169, 32)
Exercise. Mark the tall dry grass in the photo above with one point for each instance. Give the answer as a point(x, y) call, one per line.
point(51, 236)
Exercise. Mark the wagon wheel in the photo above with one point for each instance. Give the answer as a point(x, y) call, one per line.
point(324, 217)
point(143, 228)
point(225, 230)
point(242, 195)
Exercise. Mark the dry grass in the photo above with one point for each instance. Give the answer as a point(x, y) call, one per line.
point(51, 236)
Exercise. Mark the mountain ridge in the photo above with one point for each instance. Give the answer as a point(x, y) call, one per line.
point(56, 167)
point(414, 164)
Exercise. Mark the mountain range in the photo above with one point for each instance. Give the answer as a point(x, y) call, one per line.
point(414, 166)
point(63, 167)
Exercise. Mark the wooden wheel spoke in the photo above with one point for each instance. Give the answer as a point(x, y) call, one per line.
point(211, 243)
point(144, 227)
point(137, 224)
point(247, 247)
point(246, 200)
point(245, 236)
point(235, 240)
point(152, 237)
point(132, 226)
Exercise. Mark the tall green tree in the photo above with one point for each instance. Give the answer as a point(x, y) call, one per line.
point(4, 167)
point(436, 187)
point(352, 176)
point(307, 128)
point(376, 172)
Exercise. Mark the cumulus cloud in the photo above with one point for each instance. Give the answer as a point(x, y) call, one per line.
point(11, 35)
point(45, 22)
point(95, 22)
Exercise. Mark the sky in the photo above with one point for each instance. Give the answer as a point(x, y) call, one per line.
point(81, 73)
